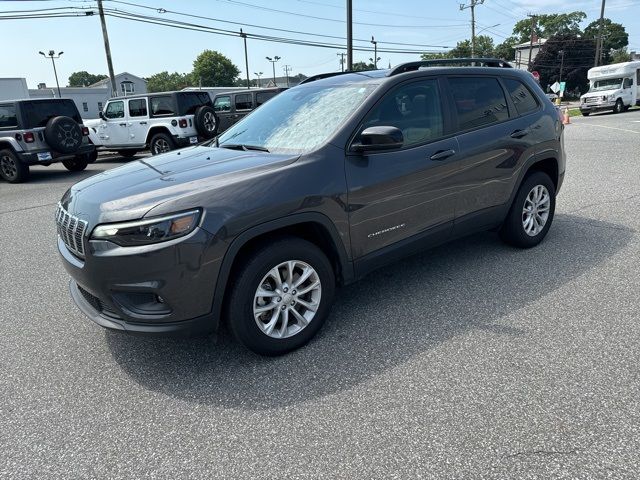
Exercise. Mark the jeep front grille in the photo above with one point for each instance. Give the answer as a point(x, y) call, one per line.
point(71, 230)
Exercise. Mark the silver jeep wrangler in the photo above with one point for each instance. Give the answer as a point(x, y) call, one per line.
point(42, 132)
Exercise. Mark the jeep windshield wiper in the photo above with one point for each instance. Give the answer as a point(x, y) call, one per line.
point(240, 146)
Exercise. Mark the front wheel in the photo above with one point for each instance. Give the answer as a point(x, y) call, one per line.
point(585, 114)
point(531, 213)
point(76, 164)
point(619, 106)
point(127, 153)
point(281, 296)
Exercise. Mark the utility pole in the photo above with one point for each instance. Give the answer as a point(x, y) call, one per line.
point(107, 49)
point(534, 20)
point(341, 55)
point(349, 35)
point(273, 64)
point(52, 56)
point(561, 52)
point(472, 5)
point(246, 57)
point(287, 69)
point(599, 39)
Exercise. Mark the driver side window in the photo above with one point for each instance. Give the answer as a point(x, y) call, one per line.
point(114, 110)
point(414, 108)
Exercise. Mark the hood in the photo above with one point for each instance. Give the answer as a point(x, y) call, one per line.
point(130, 191)
point(601, 93)
point(92, 122)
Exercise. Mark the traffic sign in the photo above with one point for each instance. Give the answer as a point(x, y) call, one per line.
point(555, 88)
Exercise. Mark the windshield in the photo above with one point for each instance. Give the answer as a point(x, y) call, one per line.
point(297, 120)
point(606, 84)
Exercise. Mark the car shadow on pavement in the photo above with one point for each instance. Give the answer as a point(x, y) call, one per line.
point(379, 322)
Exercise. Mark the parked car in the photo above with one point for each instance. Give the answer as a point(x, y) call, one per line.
point(232, 107)
point(318, 187)
point(41, 132)
point(612, 87)
point(158, 121)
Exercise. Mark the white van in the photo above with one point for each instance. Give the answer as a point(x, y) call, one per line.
point(612, 87)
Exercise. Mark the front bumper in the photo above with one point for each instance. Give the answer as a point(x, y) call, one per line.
point(162, 288)
point(597, 106)
point(31, 157)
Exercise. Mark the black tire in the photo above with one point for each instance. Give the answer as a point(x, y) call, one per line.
point(11, 168)
point(247, 278)
point(127, 153)
point(619, 107)
point(627, 107)
point(76, 164)
point(586, 114)
point(161, 143)
point(63, 134)
point(206, 121)
point(92, 157)
point(513, 230)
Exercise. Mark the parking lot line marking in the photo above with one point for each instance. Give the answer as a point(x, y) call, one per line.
point(612, 128)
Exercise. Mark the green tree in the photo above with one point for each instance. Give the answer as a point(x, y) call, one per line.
point(212, 69)
point(578, 58)
point(84, 79)
point(620, 55)
point(362, 67)
point(548, 26)
point(614, 37)
point(165, 81)
point(505, 50)
point(484, 48)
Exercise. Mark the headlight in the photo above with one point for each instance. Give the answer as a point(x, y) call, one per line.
point(612, 97)
point(150, 230)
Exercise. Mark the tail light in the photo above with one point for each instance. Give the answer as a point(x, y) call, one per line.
point(85, 131)
point(183, 123)
point(29, 137)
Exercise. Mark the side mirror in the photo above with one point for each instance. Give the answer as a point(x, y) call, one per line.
point(379, 138)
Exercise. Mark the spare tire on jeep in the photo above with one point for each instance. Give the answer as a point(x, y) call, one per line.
point(63, 134)
point(206, 121)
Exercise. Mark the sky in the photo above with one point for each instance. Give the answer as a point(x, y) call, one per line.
point(144, 49)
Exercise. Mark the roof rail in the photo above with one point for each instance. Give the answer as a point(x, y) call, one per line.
point(320, 76)
point(478, 62)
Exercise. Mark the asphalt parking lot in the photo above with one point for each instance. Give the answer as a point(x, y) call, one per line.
point(473, 360)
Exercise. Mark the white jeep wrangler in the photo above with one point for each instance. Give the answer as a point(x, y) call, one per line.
point(157, 121)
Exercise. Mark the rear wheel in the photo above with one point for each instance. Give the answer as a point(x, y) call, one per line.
point(11, 168)
point(531, 213)
point(76, 164)
point(161, 143)
point(619, 106)
point(92, 157)
point(585, 114)
point(281, 296)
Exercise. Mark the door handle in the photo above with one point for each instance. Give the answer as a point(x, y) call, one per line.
point(122, 124)
point(519, 133)
point(442, 154)
point(143, 123)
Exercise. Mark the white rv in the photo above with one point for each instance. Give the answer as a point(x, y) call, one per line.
point(612, 87)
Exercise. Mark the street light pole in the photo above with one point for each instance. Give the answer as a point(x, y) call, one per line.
point(52, 55)
point(246, 57)
point(258, 74)
point(349, 35)
point(273, 64)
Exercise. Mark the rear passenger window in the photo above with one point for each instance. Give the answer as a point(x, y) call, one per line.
point(162, 106)
point(413, 108)
point(8, 116)
point(478, 101)
point(138, 107)
point(521, 96)
point(243, 101)
point(262, 97)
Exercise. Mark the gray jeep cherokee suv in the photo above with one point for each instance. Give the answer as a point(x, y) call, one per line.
point(319, 186)
point(41, 132)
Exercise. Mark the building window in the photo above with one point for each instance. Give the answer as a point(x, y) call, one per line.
point(85, 107)
point(127, 87)
point(99, 106)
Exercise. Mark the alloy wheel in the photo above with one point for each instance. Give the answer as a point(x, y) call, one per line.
point(287, 299)
point(209, 122)
point(161, 146)
point(535, 212)
point(8, 166)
